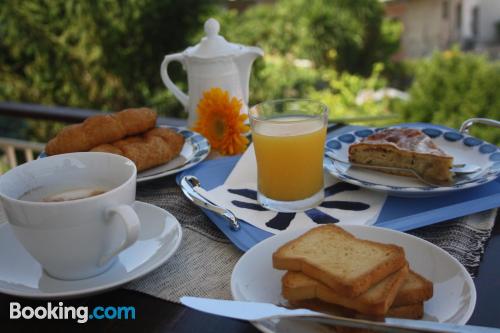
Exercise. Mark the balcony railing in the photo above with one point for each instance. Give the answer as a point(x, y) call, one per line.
point(14, 148)
point(63, 114)
point(28, 149)
point(10, 146)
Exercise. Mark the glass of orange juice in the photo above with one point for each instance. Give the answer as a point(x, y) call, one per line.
point(289, 137)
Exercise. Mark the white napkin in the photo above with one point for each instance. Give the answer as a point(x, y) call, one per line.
point(344, 203)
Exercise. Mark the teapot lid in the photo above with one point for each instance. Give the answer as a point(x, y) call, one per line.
point(213, 45)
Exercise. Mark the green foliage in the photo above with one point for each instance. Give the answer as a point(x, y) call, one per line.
point(106, 54)
point(451, 87)
point(278, 77)
point(93, 54)
point(318, 49)
point(343, 34)
point(343, 90)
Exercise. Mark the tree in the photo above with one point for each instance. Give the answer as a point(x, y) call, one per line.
point(451, 87)
point(95, 54)
point(347, 35)
point(106, 54)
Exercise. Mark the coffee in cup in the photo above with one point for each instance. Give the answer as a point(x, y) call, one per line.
point(60, 196)
point(73, 212)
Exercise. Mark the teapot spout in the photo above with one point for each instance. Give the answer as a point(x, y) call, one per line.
point(244, 63)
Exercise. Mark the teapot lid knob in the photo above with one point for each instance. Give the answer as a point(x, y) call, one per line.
point(213, 45)
point(212, 27)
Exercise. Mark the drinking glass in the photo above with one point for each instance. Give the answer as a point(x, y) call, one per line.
point(289, 137)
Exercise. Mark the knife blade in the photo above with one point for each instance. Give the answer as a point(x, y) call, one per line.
point(255, 311)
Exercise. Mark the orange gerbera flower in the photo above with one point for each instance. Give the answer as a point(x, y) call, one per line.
point(220, 121)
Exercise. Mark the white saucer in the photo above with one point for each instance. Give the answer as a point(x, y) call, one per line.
point(21, 275)
point(254, 278)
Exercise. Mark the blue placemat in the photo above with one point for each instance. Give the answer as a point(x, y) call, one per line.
point(212, 174)
point(397, 213)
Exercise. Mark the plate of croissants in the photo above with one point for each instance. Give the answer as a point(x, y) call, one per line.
point(156, 151)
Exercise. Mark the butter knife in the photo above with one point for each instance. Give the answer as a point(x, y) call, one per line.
point(256, 311)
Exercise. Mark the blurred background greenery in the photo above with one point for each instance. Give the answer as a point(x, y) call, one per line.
point(105, 55)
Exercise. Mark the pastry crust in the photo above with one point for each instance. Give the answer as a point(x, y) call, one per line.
point(155, 147)
point(101, 129)
point(404, 148)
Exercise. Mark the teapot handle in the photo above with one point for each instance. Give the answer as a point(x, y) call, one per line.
point(182, 97)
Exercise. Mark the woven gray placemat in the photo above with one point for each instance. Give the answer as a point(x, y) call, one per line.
point(464, 238)
point(203, 264)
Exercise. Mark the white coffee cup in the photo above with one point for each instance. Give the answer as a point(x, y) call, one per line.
point(79, 238)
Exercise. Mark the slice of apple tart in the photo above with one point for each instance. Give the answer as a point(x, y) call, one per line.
point(404, 148)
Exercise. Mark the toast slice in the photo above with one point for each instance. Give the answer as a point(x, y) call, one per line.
point(415, 289)
point(348, 265)
point(376, 301)
point(410, 311)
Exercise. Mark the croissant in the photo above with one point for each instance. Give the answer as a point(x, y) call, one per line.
point(101, 129)
point(155, 147)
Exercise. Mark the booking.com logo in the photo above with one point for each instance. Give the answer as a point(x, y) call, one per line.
point(81, 314)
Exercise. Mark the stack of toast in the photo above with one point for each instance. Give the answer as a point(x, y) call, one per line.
point(329, 270)
point(130, 133)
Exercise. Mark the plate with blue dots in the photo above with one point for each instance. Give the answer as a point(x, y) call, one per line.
point(464, 149)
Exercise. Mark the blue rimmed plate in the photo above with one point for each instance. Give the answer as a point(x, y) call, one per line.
point(196, 148)
point(463, 148)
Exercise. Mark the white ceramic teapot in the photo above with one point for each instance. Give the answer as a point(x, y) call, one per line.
point(214, 62)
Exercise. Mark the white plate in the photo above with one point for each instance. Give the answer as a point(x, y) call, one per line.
point(254, 278)
point(463, 148)
point(196, 148)
point(21, 275)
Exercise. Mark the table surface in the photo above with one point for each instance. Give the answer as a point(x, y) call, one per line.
point(156, 315)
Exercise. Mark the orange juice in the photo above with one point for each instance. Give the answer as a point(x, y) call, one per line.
point(289, 153)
